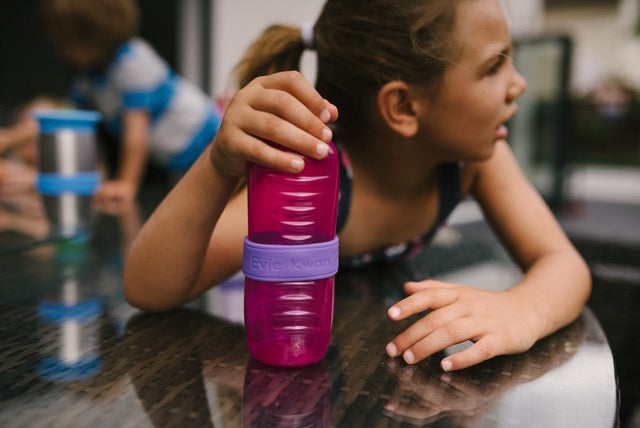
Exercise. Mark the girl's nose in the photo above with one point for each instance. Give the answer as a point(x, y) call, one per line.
point(517, 86)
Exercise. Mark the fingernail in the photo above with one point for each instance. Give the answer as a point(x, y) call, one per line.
point(446, 365)
point(325, 116)
point(297, 164)
point(322, 150)
point(394, 311)
point(392, 350)
point(409, 357)
point(326, 134)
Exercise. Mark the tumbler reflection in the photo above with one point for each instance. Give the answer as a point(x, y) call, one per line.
point(70, 320)
point(286, 397)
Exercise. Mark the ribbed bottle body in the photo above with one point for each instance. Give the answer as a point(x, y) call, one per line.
point(289, 323)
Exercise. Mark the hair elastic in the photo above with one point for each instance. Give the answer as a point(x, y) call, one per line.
point(306, 30)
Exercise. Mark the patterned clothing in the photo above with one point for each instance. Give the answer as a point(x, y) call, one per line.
point(450, 194)
point(183, 118)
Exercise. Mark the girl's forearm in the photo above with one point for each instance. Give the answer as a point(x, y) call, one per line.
point(165, 259)
point(555, 287)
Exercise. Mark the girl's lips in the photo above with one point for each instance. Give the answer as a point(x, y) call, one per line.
point(502, 132)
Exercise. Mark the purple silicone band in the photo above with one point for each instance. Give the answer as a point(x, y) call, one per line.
point(286, 263)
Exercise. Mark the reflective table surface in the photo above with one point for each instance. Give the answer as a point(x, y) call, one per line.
point(74, 353)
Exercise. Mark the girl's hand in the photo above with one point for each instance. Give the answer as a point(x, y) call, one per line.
point(496, 321)
point(282, 108)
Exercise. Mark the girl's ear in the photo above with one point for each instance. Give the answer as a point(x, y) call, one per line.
point(396, 106)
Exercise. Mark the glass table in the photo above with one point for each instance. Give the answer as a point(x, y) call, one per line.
point(74, 353)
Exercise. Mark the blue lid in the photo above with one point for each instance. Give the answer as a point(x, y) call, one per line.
point(76, 120)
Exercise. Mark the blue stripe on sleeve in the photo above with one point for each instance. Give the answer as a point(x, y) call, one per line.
point(182, 161)
point(155, 100)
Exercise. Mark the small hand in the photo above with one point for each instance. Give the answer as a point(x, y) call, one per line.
point(116, 192)
point(496, 321)
point(282, 108)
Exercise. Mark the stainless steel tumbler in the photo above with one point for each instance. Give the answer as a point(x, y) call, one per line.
point(67, 167)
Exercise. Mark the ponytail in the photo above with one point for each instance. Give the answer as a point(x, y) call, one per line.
point(279, 48)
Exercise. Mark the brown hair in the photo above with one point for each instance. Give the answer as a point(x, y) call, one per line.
point(100, 24)
point(361, 45)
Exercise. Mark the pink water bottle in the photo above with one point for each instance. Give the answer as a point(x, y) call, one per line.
point(290, 258)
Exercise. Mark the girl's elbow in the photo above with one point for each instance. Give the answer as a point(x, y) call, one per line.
point(137, 294)
point(585, 273)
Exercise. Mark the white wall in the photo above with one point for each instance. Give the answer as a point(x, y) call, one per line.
point(604, 44)
point(236, 23)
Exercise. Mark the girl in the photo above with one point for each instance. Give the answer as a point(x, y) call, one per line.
point(145, 105)
point(423, 89)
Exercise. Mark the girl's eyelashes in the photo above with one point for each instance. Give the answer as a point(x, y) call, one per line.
point(500, 61)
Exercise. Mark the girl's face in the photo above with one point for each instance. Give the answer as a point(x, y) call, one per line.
point(465, 115)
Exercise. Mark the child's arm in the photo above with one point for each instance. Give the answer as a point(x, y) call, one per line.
point(194, 238)
point(22, 132)
point(133, 161)
point(555, 285)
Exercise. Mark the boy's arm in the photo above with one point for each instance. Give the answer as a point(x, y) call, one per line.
point(133, 160)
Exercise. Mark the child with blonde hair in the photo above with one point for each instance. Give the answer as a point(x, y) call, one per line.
point(154, 112)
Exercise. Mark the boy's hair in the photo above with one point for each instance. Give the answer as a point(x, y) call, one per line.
point(101, 24)
point(361, 45)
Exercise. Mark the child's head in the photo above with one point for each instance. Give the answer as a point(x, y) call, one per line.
point(87, 32)
point(361, 45)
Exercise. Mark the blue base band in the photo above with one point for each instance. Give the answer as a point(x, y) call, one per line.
point(286, 263)
point(81, 183)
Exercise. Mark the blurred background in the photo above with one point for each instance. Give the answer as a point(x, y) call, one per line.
point(577, 134)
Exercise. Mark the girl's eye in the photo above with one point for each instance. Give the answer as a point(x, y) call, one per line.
point(497, 65)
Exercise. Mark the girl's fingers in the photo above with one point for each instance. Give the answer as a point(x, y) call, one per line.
point(422, 328)
point(432, 298)
point(413, 287)
point(294, 83)
point(449, 334)
point(290, 97)
point(289, 132)
point(254, 150)
point(480, 351)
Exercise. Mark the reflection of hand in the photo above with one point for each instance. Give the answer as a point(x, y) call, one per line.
point(426, 396)
point(425, 393)
point(496, 321)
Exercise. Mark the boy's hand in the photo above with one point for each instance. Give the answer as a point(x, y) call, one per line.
point(282, 108)
point(496, 321)
point(116, 192)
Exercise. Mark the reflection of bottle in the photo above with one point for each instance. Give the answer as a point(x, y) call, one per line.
point(291, 255)
point(275, 396)
point(71, 321)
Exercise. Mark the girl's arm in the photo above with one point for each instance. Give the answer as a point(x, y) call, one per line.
point(555, 285)
point(135, 152)
point(557, 281)
point(194, 238)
